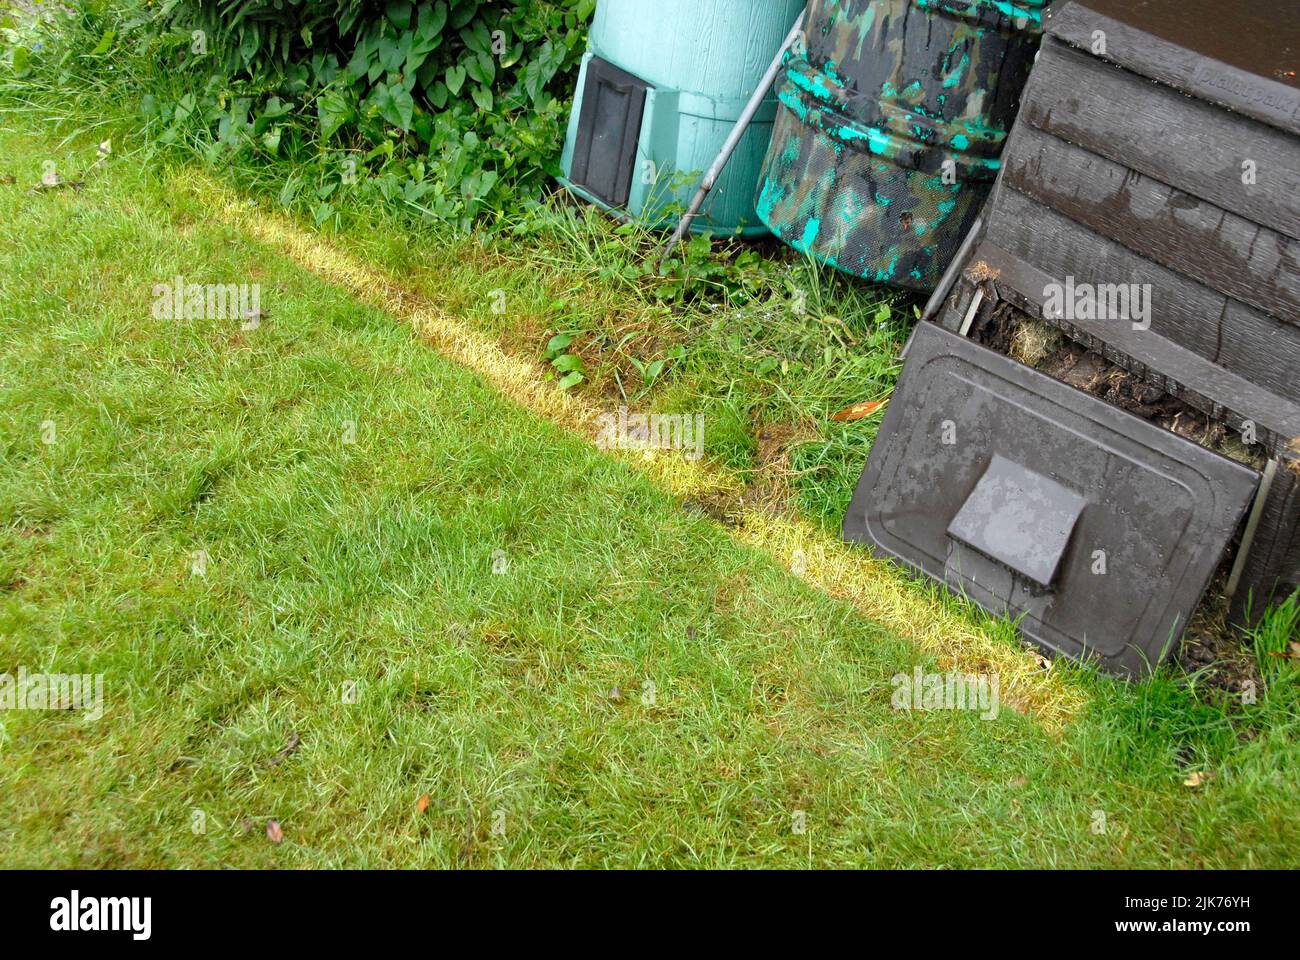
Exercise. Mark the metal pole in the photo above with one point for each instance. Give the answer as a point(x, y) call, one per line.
point(733, 139)
point(945, 285)
point(1252, 526)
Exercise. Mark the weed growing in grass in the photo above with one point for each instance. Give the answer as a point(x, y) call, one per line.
point(748, 340)
point(1276, 641)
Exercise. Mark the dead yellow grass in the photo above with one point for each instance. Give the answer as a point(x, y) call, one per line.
point(828, 564)
point(849, 573)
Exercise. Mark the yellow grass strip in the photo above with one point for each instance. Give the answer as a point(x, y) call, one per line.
point(844, 572)
point(849, 573)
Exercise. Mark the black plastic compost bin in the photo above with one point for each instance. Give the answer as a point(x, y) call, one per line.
point(1157, 151)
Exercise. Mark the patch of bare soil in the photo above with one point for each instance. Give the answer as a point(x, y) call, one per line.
point(772, 487)
point(1210, 646)
point(720, 507)
point(771, 479)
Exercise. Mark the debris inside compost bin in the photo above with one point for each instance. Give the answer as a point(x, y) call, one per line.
point(1045, 348)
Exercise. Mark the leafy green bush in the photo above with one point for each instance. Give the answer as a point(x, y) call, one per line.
point(453, 109)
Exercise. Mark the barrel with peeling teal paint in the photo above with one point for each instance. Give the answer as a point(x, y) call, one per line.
point(661, 86)
point(892, 119)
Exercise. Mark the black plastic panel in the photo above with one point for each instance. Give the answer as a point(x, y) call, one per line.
point(1098, 529)
point(604, 153)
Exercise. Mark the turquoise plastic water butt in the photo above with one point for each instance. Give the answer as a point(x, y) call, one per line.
point(660, 87)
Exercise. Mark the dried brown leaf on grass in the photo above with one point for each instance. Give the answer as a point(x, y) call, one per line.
point(859, 410)
point(1292, 652)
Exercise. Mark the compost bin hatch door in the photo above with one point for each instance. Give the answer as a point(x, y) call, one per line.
point(1019, 518)
point(604, 153)
point(1098, 530)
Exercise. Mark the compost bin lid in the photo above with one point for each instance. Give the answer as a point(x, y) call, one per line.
point(1241, 54)
point(1039, 501)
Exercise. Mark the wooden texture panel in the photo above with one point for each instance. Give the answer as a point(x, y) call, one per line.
point(1272, 571)
point(1242, 340)
point(1241, 54)
point(1187, 144)
point(1221, 250)
point(1111, 178)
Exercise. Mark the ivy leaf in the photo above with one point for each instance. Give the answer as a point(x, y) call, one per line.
point(385, 149)
point(399, 14)
point(475, 71)
point(511, 56)
point(395, 105)
point(477, 39)
point(334, 110)
point(391, 54)
point(360, 62)
point(463, 12)
point(414, 60)
point(487, 180)
point(428, 33)
point(542, 68)
point(482, 96)
point(455, 79)
point(437, 94)
point(275, 109)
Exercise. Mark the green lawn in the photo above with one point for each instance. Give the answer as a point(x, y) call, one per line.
point(635, 687)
